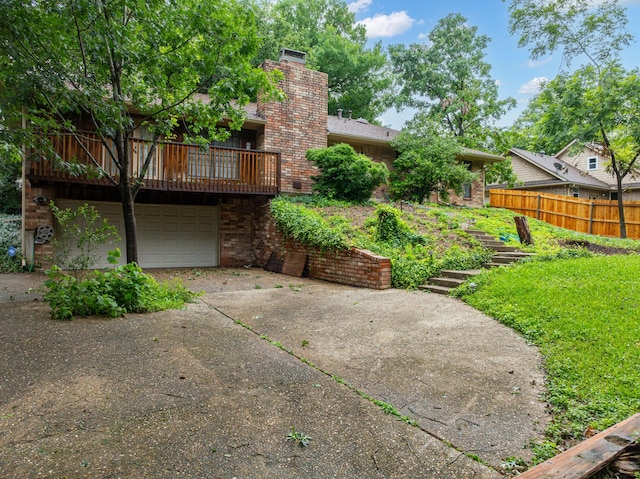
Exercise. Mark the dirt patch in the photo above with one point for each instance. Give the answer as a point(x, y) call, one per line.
point(595, 248)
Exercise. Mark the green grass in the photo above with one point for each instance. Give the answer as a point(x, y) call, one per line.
point(584, 315)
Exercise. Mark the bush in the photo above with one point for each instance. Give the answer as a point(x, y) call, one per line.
point(114, 292)
point(83, 230)
point(345, 174)
point(10, 236)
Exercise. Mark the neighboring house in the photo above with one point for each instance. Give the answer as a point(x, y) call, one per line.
point(581, 175)
point(201, 208)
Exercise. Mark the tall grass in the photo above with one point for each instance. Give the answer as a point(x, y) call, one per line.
point(584, 315)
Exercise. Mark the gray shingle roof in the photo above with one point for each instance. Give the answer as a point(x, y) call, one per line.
point(564, 172)
point(360, 128)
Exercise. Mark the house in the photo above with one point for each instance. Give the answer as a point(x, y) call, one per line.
point(581, 175)
point(202, 208)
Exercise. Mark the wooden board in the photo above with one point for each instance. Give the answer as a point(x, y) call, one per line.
point(274, 264)
point(294, 263)
point(591, 455)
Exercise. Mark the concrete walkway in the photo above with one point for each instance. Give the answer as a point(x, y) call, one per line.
point(213, 391)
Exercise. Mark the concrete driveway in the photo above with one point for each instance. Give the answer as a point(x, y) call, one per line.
point(213, 391)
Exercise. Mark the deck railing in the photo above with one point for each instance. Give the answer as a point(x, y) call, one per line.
point(173, 167)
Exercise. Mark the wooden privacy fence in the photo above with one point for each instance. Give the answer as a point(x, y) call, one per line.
point(598, 217)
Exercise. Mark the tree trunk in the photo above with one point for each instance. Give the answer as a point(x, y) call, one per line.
point(130, 227)
point(623, 225)
point(127, 195)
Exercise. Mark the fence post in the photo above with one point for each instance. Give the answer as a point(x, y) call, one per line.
point(538, 209)
point(591, 208)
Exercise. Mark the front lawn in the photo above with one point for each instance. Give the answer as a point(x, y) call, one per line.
point(584, 315)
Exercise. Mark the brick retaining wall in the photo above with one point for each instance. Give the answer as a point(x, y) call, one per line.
point(353, 267)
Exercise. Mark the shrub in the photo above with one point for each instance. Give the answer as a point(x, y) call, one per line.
point(345, 174)
point(114, 292)
point(82, 232)
point(10, 236)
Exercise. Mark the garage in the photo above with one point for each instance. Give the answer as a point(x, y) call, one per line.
point(169, 236)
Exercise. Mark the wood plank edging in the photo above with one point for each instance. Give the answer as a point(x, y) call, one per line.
point(591, 455)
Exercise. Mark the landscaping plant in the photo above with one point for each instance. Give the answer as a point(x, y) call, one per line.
point(10, 239)
point(112, 292)
point(345, 174)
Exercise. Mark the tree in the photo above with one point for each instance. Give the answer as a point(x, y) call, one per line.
point(327, 32)
point(10, 171)
point(345, 174)
point(103, 60)
point(596, 103)
point(599, 107)
point(427, 163)
point(579, 28)
point(448, 80)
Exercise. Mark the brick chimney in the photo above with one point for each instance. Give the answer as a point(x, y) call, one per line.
point(298, 123)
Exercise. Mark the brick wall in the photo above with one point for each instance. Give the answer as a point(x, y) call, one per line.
point(477, 190)
point(352, 267)
point(297, 124)
point(239, 226)
point(34, 215)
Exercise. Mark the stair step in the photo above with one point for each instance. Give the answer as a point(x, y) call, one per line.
point(491, 243)
point(448, 282)
point(435, 289)
point(504, 259)
point(491, 265)
point(516, 254)
point(504, 249)
point(464, 274)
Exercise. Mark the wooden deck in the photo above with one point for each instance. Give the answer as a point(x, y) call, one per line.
point(174, 166)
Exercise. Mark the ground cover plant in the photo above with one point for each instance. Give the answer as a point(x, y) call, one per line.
point(422, 240)
point(111, 292)
point(584, 316)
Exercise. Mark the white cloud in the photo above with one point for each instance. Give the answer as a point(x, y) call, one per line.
point(532, 86)
point(385, 26)
point(538, 63)
point(358, 5)
point(423, 36)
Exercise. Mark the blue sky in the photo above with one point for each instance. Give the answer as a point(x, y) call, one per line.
point(407, 21)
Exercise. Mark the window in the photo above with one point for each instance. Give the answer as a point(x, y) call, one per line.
point(575, 192)
point(466, 188)
point(592, 163)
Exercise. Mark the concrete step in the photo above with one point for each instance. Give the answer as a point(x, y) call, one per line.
point(447, 282)
point(435, 289)
point(464, 274)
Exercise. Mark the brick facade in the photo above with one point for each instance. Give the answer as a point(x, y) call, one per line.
point(297, 124)
point(34, 215)
point(241, 222)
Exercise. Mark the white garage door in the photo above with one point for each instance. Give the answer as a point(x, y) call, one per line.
point(169, 236)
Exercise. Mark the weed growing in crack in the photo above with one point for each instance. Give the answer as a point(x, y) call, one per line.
point(298, 437)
